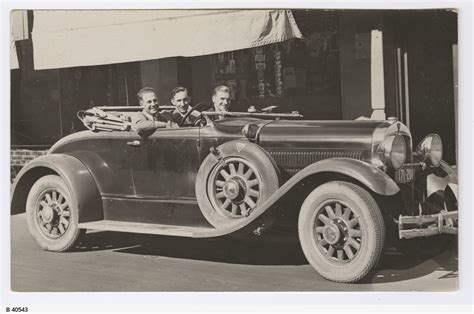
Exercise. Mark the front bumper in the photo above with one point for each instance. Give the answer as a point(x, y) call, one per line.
point(428, 225)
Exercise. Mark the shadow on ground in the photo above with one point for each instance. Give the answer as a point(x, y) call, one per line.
point(395, 266)
point(254, 251)
point(270, 249)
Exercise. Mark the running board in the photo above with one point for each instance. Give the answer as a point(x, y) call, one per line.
point(137, 227)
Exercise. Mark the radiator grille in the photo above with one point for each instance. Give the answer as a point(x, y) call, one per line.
point(294, 161)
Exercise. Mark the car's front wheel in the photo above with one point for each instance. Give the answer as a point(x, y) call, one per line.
point(52, 215)
point(341, 231)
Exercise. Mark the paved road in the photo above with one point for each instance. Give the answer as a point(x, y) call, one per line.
point(113, 261)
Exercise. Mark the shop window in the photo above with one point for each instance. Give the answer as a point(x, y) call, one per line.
point(122, 84)
point(298, 74)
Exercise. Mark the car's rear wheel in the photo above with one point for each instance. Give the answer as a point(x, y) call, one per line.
point(341, 231)
point(52, 214)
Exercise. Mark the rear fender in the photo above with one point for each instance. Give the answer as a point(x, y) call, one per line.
point(77, 177)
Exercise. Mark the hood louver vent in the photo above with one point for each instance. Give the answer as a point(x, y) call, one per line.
point(292, 162)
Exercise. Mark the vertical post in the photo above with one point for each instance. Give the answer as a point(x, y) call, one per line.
point(407, 94)
point(455, 85)
point(126, 87)
point(397, 96)
point(401, 117)
point(60, 108)
point(377, 81)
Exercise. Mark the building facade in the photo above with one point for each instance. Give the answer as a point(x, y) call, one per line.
point(328, 74)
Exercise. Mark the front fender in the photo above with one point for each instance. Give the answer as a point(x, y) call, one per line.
point(437, 189)
point(77, 177)
point(372, 177)
point(440, 178)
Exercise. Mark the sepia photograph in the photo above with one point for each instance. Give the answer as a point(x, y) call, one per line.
point(234, 150)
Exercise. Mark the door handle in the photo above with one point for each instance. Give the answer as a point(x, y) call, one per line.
point(134, 143)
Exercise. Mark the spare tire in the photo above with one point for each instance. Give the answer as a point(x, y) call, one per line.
point(233, 180)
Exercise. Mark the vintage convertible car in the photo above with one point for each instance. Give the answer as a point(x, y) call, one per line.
point(351, 184)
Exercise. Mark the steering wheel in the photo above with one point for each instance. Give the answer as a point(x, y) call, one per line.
point(198, 121)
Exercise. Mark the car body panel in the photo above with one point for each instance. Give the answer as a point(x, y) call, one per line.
point(154, 181)
point(75, 174)
point(154, 211)
point(107, 156)
point(165, 164)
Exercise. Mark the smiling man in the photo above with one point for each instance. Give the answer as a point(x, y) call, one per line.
point(149, 119)
point(221, 98)
point(181, 99)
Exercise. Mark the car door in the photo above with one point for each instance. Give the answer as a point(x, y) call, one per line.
point(164, 169)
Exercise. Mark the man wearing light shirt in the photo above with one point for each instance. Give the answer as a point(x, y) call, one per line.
point(149, 119)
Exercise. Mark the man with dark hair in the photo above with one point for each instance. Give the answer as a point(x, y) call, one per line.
point(181, 99)
point(149, 119)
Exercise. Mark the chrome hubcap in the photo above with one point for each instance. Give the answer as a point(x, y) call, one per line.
point(53, 213)
point(331, 233)
point(337, 232)
point(47, 214)
point(231, 189)
point(234, 188)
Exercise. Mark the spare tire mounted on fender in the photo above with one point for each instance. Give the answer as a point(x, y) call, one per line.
point(233, 180)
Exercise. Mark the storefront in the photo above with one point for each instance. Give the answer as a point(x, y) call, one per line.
point(298, 74)
point(318, 62)
point(79, 59)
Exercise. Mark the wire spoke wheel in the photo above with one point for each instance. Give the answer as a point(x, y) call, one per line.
point(234, 188)
point(337, 232)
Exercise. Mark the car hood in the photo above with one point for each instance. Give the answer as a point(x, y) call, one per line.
point(307, 134)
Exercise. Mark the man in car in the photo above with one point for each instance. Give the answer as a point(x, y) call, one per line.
point(181, 99)
point(221, 98)
point(149, 119)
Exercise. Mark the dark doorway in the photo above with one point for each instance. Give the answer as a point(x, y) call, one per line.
point(425, 41)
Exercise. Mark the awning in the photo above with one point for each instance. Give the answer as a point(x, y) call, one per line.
point(13, 56)
point(18, 31)
point(81, 38)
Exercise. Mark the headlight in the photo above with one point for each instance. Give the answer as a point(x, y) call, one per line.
point(394, 151)
point(430, 150)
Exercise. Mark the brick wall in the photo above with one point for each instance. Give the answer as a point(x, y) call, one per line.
point(20, 157)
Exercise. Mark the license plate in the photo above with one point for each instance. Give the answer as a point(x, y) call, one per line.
point(404, 175)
